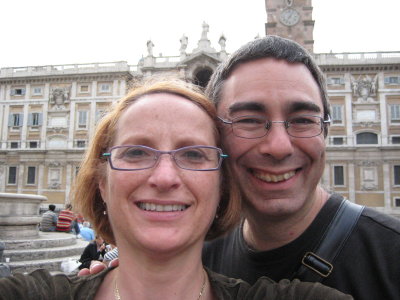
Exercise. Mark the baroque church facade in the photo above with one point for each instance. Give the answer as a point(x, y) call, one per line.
point(48, 113)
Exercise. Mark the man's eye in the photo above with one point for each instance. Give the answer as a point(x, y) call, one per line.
point(249, 121)
point(303, 120)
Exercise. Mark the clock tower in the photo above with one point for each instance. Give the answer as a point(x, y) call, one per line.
point(291, 19)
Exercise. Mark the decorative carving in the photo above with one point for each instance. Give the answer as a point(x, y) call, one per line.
point(367, 163)
point(366, 124)
point(364, 88)
point(54, 185)
point(368, 186)
point(59, 97)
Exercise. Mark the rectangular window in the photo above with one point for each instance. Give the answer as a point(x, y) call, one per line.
point(81, 143)
point(392, 80)
point(397, 202)
point(336, 81)
point(31, 179)
point(37, 91)
point(15, 119)
point(395, 113)
point(84, 89)
point(105, 88)
point(396, 170)
point(337, 114)
point(18, 92)
point(337, 141)
point(33, 144)
point(338, 175)
point(35, 119)
point(395, 139)
point(12, 175)
point(82, 119)
point(14, 145)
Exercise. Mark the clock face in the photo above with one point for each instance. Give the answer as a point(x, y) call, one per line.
point(289, 17)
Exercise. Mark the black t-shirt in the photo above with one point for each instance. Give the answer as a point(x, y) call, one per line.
point(368, 267)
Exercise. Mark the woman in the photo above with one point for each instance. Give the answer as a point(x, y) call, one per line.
point(151, 184)
point(95, 250)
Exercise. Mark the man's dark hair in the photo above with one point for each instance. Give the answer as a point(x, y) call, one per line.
point(52, 207)
point(268, 47)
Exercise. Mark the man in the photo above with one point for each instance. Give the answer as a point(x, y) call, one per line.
point(49, 219)
point(273, 106)
point(86, 232)
point(67, 220)
point(272, 101)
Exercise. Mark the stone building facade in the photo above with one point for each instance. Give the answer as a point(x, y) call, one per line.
point(48, 113)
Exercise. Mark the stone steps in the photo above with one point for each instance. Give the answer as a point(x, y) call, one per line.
point(46, 251)
point(53, 265)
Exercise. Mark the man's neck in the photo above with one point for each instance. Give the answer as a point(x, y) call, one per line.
point(262, 233)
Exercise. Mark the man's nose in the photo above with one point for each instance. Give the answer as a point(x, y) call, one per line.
point(277, 142)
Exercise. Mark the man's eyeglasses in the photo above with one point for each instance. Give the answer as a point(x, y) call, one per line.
point(138, 157)
point(252, 127)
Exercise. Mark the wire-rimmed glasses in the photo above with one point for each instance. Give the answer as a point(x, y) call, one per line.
point(138, 157)
point(252, 127)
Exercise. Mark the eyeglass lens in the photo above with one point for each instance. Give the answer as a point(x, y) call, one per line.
point(141, 157)
point(299, 126)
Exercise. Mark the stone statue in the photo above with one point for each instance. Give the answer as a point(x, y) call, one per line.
point(184, 44)
point(205, 31)
point(222, 42)
point(150, 46)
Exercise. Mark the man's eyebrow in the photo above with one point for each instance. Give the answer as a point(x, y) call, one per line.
point(304, 105)
point(240, 106)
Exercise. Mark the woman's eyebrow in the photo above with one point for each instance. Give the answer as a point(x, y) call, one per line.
point(252, 106)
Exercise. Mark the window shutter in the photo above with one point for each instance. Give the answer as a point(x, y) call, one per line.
point(21, 119)
point(10, 120)
point(40, 119)
point(387, 80)
point(30, 119)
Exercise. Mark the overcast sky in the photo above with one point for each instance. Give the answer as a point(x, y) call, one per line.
point(43, 32)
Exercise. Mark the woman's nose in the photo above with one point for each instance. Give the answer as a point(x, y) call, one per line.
point(165, 174)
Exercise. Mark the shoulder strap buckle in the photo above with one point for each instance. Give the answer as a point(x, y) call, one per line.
point(317, 264)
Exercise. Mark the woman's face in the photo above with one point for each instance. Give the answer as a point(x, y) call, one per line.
point(185, 200)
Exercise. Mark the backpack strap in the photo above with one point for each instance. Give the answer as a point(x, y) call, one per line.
point(318, 264)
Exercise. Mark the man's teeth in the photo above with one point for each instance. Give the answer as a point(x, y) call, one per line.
point(274, 178)
point(159, 207)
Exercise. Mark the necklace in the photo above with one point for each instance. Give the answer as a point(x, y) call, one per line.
point(118, 297)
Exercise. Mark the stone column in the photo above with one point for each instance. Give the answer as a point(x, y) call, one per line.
point(19, 216)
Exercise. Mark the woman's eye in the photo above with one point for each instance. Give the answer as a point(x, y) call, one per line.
point(135, 153)
point(192, 155)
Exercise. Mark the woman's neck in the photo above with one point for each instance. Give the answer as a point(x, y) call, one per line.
point(142, 278)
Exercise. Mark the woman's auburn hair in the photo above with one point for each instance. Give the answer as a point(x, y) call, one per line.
point(86, 193)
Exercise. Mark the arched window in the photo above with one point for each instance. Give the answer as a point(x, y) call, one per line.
point(202, 77)
point(367, 138)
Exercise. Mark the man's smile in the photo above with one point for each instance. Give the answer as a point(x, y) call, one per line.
point(273, 177)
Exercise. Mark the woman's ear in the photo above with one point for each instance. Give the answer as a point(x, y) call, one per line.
point(103, 189)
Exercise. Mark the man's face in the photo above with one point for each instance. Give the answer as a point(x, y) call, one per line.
point(277, 173)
